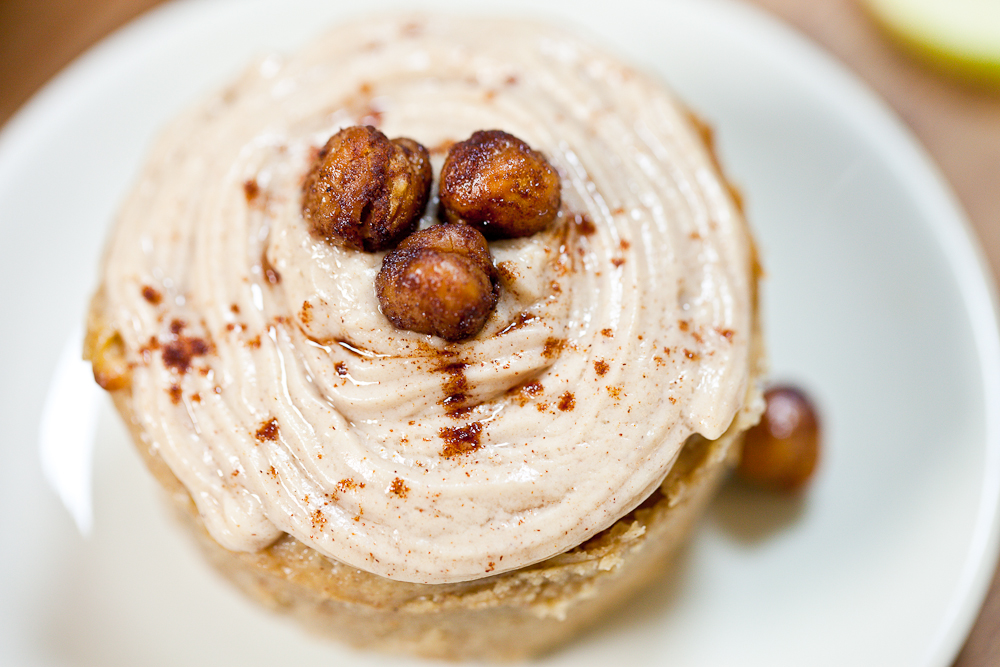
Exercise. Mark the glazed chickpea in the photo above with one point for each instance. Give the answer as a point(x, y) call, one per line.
point(366, 192)
point(499, 185)
point(439, 281)
point(781, 452)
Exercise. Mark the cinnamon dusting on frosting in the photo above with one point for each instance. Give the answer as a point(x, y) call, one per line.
point(151, 295)
point(181, 350)
point(461, 440)
point(268, 431)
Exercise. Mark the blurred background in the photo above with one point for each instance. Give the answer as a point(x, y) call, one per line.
point(951, 104)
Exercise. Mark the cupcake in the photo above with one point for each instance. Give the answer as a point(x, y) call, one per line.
point(345, 447)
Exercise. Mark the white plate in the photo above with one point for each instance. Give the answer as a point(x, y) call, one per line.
point(876, 301)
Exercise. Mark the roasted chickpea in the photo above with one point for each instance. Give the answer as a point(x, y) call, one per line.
point(498, 184)
point(105, 350)
point(439, 281)
point(781, 452)
point(366, 192)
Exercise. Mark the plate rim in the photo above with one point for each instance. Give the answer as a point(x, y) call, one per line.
point(951, 228)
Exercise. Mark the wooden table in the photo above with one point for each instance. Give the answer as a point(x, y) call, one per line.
point(957, 123)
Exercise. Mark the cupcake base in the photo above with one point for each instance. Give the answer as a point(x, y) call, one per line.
point(510, 616)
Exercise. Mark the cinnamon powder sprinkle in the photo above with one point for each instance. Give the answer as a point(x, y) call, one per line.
point(151, 295)
point(522, 394)
point(607, 333)
point(251, 189)
point(455, 387)
point(584, 224)
point(399, 488)
point(348, 484)
point(175, 393)
point(567, 402)
point(553, 347)
point(508, 272)
point(178, 353)
point(533, 388)
point(601, 367)
point(461, 440)
point(152, 344)
point(268, 431)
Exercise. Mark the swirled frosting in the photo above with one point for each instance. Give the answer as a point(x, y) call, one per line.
point(267, 379)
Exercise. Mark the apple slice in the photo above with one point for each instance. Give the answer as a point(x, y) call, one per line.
point(961, 36)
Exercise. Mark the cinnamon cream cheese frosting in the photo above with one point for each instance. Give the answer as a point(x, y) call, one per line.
point(264, 374)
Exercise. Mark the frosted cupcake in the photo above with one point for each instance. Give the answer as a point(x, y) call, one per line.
point(483, 494)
